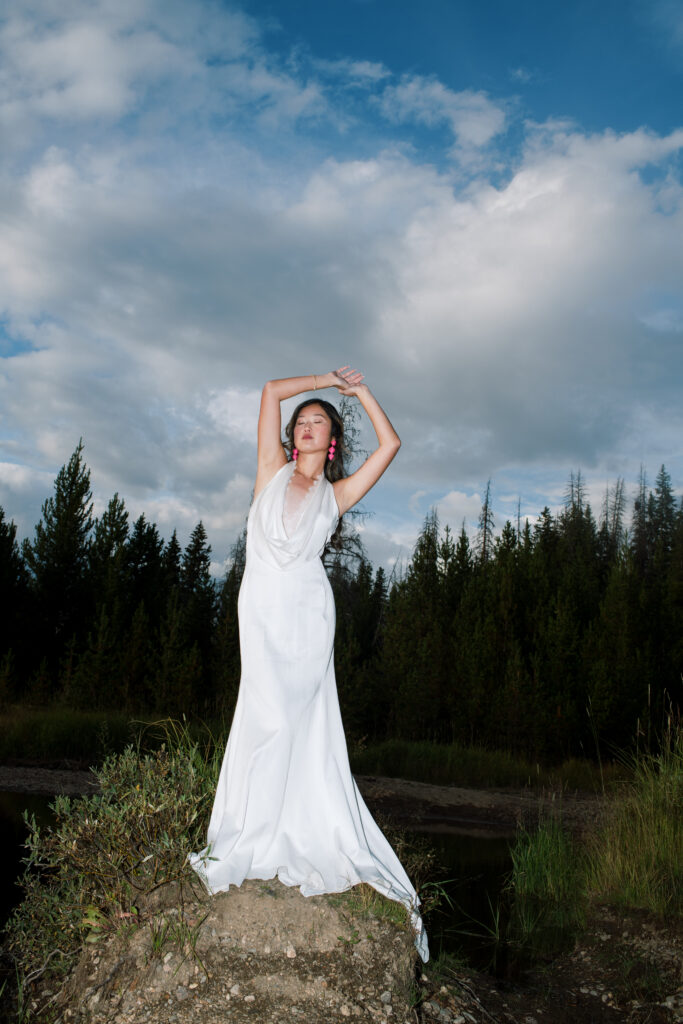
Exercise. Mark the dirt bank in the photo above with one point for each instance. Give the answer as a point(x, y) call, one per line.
point(419, 805)
point(426, 807)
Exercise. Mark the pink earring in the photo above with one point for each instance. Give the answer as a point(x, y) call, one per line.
point(295, 452)
point(331, 448)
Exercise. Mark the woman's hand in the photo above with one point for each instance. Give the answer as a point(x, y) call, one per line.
point(347, 381)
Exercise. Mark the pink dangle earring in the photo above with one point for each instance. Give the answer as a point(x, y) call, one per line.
point(295, 452)
point(333, 442)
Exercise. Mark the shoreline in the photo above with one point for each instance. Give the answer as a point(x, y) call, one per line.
point(424, 806)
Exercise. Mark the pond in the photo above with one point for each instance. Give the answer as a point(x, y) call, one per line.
point(471, 868)
point(12, 806)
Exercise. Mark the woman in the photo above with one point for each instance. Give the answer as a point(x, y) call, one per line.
point(286, 803)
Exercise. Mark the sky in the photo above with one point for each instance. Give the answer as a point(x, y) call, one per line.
point(478, 204)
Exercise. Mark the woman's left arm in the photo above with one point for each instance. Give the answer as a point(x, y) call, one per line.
point(350, 489)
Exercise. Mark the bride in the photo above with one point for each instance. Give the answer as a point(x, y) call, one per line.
point(286, 803)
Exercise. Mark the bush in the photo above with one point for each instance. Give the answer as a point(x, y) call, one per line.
point(92, 870)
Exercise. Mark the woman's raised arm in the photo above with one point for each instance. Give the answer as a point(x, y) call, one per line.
point(271, 454)
point(350, 489)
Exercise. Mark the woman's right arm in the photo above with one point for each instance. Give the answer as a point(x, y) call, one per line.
point(271, 454)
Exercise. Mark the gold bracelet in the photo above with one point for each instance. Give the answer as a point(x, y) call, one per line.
point(315, 382)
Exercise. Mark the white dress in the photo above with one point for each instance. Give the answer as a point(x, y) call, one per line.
point(286, 803)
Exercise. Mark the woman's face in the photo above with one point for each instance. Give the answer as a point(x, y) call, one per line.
point(312, 429)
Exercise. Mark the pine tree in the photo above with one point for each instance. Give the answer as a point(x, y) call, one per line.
point(15, 622)
point(227, 666)
point(170, 561)
point(198, 595)
point(136, 661)
point(144, 570)
point(58, 557)
point(486, 526)
point(664, 514)
point(640, 539)
point(108, 565)
point(195, 571)
point(109, 535)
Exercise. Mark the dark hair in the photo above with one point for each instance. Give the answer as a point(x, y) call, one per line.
point(334, 468)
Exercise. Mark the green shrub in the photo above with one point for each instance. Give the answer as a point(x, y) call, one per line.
point(91, 871)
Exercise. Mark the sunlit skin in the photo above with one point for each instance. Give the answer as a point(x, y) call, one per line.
point(312, 436)
point(313, 431)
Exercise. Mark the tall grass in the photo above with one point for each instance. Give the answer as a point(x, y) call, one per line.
point(546, 889)
point(634, 860)
point(58, 734)
point(637, 860)
point(62, 734)
point(456, 764)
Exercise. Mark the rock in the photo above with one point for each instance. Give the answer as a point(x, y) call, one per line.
point(294, 954)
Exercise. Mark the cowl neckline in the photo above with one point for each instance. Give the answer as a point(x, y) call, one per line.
point(268, 534)
point(299, 509)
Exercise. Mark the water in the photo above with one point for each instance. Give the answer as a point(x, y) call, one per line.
point(14, 833)
point(472, 869)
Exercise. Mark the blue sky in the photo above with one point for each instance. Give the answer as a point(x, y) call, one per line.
point(614, 62)
point(478, 204)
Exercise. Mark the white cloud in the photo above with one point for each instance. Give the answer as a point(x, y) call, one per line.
point(522, 74)
point(235, 412)
point(472, 117)
point(361, 73)
point(77, 69)
point(457, 508)
point(160, 274)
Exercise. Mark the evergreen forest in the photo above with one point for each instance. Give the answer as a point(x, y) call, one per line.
point(542, 639)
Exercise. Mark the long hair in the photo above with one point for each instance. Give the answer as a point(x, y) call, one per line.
point(334, 468)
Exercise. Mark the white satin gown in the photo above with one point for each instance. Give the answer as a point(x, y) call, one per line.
point(286, 803)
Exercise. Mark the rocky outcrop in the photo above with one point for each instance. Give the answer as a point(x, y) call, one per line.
point(262, 952)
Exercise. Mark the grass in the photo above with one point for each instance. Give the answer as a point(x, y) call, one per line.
point(457, 765)
point(58, 734)
point(61, 734)
point(637, 860)
point(633, 861)
point(546, 889)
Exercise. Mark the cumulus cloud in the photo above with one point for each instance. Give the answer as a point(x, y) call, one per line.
point(152, 277)
point(472, 117)
point(457, 508)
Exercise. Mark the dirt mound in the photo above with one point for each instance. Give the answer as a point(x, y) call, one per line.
point(262, 952)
